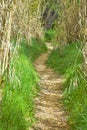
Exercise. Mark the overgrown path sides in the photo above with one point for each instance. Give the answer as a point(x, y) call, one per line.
point(49, 108)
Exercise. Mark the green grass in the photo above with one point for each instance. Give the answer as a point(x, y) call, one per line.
point(68, 63)
point(75, 99)
point(17, 107)
point(62, 61)
point(50, 35)
point(34, 50)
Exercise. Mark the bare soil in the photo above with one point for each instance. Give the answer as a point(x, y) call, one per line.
point(50, 113)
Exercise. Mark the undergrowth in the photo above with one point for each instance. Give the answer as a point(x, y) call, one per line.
point(68, 63)
point(33, 50)
point(75, 99)
point(49, 35)
point(62, 61)
point(17, 107)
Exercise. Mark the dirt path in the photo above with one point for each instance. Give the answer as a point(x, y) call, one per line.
point(49, 109)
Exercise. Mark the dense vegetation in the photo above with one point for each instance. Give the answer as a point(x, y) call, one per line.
point(64, 61)
point(17, 107)
point(25, 26)
point(36, 49)
point(68, 63)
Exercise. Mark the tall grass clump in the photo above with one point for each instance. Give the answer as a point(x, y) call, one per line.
point(35, 49)
point(20, 89)
point(75, 99)
point(62, 61)
point(69, 64)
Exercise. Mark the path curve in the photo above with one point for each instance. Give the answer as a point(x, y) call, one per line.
point(49, 108)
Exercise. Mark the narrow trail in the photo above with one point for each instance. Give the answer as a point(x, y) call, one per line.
point(49, 108)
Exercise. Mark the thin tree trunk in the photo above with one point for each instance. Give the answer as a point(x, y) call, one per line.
point(85, 38)
point(5, 33)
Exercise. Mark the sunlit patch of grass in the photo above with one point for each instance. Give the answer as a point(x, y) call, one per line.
point(17, 108)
